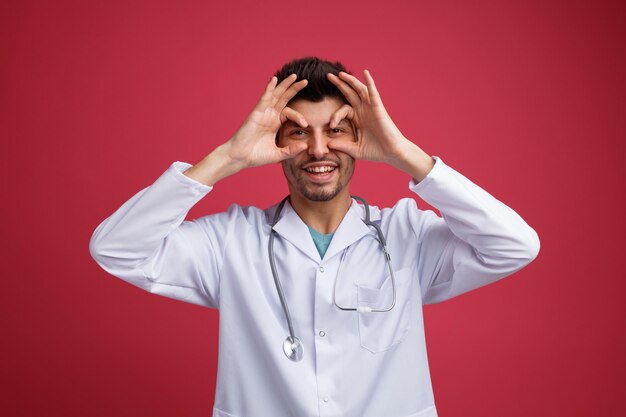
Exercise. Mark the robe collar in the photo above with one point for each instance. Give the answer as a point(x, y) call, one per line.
point(352, 228)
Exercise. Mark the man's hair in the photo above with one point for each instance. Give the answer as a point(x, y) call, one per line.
point(314, 70)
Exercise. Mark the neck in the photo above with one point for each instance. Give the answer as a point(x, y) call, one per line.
point(323, 216)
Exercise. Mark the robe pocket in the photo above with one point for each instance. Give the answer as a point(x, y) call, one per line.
point(379, 332)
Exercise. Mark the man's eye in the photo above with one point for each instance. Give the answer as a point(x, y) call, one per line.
point(336, 130)
point(298, 132)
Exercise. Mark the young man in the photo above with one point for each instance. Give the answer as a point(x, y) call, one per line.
point(315, 318)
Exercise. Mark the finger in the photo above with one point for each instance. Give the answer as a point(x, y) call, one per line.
point(356, 85)
point(291, 150)
point(271, 85)
point(267, 96)
point(290, 93)
point(344, 112)
point(345, 146)
point(348, 92)
point(371, 87)
point(284, 85)
point(290, 114)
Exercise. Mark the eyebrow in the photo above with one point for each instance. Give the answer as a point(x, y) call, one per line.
point(291, 123)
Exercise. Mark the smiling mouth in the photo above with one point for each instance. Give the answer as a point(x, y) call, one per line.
point(320, 174)
point(320, 170)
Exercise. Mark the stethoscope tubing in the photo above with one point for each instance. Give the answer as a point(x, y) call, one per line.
point(292, 347)
point(279, 287)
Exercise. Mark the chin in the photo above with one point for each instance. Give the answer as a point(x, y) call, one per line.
point(321, 193)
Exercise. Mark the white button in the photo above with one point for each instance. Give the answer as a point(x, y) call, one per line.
point(322, 269)
point(322, 333)
point(326, 399)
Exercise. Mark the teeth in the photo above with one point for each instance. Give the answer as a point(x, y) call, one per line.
point(318, 170)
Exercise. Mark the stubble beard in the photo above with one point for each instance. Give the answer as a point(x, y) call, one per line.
point(319, 192)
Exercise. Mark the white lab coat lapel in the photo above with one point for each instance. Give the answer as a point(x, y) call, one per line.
point(291, 227)
point(349, 231)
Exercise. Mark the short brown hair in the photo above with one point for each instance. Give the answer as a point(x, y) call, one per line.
point(314, 70)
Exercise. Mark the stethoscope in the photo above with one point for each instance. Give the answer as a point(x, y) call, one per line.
point(292, 346)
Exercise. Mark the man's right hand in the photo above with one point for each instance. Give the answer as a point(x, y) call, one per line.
point(254, 144)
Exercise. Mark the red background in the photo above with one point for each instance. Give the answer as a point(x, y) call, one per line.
point(526, 98)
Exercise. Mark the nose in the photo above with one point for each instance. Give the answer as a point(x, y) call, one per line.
point(318, 145)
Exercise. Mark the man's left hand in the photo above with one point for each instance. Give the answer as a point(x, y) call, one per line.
point(378, 138)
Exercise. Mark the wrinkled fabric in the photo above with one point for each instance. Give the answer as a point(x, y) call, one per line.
point(355, 363)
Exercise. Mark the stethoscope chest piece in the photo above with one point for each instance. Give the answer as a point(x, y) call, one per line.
point(293, 348)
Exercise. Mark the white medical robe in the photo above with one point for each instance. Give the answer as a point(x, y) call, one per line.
point(355, 364)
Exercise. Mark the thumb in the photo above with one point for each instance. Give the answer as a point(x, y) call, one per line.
point(345, 146)
point(289, 151)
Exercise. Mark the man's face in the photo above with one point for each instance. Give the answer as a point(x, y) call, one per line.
point(318, 173)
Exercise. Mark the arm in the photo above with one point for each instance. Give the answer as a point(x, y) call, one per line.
point(478, 240)
point(147, 243)
point(254, 143)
